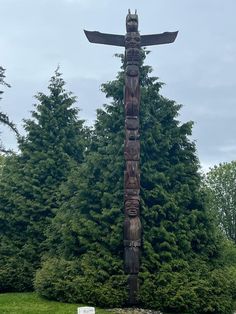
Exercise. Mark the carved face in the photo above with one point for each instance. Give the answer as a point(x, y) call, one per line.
point(132, 22)
point(132, 123)
point(132, 135)
point(132, 108)
point(132, 150)
point(132, 207)
point(132, 70)
point(132, 40)
point(133, 56)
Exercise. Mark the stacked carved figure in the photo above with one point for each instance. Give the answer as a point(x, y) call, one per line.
point(132, 224)
point(132, 42)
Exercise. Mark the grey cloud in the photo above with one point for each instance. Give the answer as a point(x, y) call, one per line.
point(198, 69)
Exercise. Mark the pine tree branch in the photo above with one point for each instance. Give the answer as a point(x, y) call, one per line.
point(5, 120)
point(6, 151)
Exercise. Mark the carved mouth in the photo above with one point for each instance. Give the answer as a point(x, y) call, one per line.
point(132, 213)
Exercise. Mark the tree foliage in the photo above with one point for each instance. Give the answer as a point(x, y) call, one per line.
point(220, 184)
point(54, 142)
point(180, 242)
point(2, 161)
point(4, 119)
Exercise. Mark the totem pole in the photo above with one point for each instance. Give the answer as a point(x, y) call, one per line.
point(132, 42)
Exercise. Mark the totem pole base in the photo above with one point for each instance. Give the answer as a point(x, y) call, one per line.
point(133, 289)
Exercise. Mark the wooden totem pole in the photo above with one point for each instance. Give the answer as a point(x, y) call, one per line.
point(132, 42)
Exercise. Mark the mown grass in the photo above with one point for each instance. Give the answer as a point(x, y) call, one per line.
point(31, 303)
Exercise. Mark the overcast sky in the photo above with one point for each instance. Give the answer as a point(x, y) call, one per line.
point(198, 69)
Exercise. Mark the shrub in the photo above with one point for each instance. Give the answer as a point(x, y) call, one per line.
point(15, 275)
point(194, 290)
point(69, 281)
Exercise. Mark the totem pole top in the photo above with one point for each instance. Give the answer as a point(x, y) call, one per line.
point(131, 26)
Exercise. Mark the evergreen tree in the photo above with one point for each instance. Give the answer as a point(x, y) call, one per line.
point(180, 243)
point(2, 160)
point(4, 119)
point(85, 237)
point(54, 143)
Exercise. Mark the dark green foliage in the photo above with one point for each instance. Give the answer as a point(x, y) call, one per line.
point(54, 142)
point(74, 281)
point(2, 161)
point(16, 270)
point(89, 223)
point(173, 208)
point(181, 245)
point(190, 288)
point(88, 226)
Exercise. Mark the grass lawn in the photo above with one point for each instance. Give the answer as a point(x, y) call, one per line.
point(31, 303)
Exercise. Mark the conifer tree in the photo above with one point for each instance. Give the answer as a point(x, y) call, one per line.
point(4, 119)
point(180, 243)
point(2, 159)
point(54, 142)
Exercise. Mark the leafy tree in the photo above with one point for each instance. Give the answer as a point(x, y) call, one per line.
point(220, 183)
point(4, 119)
point(54, 142)
point(180, 242)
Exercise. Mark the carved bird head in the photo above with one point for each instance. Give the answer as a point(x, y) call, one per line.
point(132, 22)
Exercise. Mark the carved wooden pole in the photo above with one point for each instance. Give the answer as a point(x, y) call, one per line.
point(132, 42)
point(132, 223)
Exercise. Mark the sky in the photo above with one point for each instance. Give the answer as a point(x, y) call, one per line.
point(198, 69)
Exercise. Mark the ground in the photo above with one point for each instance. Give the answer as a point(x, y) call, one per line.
point(31, 303)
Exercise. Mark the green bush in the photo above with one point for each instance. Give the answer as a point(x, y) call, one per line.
point(73, 282)
point(195, 289)
point(54, 280)
point(15, 275)
point(192, 289)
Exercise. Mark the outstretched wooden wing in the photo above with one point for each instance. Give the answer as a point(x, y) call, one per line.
point(105, 39)
point(158, 39)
